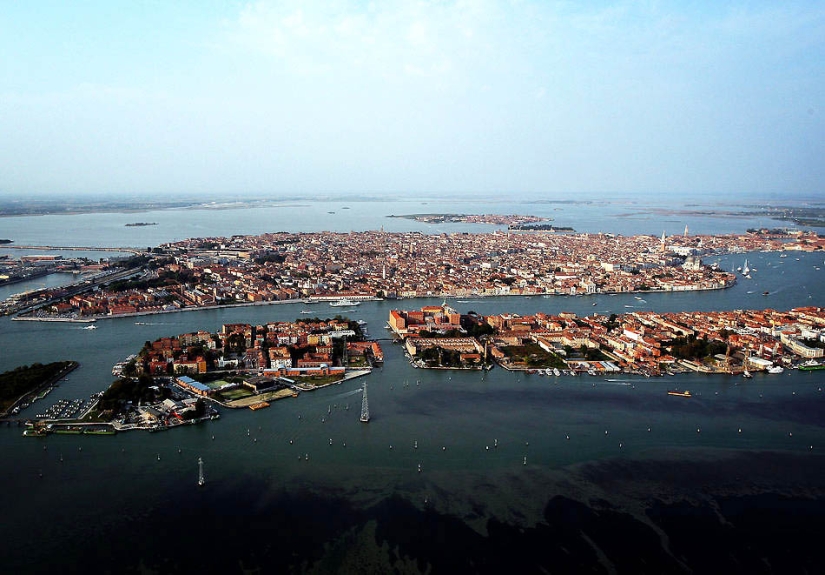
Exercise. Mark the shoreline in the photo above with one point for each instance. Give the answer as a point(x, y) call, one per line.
point(333, 298)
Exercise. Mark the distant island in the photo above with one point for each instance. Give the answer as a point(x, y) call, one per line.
point(508, 220)
point(539, 228)
point(141, 224)
point(6, 241)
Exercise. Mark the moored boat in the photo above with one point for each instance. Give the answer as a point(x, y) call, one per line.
point(811, 365)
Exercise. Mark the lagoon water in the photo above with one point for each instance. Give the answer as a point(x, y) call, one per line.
point(511, 471)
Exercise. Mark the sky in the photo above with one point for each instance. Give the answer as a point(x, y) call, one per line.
point(548, 99)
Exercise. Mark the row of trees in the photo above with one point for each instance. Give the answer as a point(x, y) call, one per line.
point(26, 378)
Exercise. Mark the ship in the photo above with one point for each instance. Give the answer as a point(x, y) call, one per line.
point(811, 365)
point(776, 369)
point(675, 393)
point(344, 303)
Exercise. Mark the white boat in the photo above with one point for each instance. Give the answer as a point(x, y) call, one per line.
point(344, 303)
point(90, 327)
point(746, 374)
point(745, 269)
point(776, 369)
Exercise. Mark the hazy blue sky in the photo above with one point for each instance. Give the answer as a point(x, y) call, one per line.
point(457, 96)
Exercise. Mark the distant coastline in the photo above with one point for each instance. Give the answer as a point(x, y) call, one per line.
point(141, 224)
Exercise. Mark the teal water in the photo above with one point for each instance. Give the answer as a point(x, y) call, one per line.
point(274, 481)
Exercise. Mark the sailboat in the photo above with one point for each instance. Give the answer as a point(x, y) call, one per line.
point(745, 269)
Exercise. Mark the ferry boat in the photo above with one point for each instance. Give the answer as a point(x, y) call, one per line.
point(675, 393)
point(344, 303)
point(811, 365)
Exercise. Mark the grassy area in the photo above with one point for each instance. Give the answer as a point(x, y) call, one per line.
point(533, 356)
point(358, 362)
point(237, 393)
point(318, 380)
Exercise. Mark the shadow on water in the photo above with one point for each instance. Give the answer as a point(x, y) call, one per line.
point(723, 514)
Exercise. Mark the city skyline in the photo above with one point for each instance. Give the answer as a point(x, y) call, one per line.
point(284, 98)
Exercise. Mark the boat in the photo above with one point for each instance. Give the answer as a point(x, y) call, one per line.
point(766, 293)
point(745, 269)
point(676, 393)
point(306, 311)
point(776, 369)
point(746, 374)
point(201, 479)
point(89, 327)
point(811, 365)
point(344, 303)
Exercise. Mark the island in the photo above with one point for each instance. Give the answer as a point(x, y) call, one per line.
point(362, 266)
point(496, 219)
point(141, 224)
point(539, 227)
point(2, 241)
point(184, 379)
point(639, 342)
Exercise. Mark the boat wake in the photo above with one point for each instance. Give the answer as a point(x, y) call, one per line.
point(618, 382)
point(348, 393)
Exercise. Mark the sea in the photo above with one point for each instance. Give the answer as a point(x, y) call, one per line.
point(456, 472)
